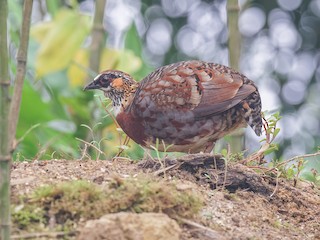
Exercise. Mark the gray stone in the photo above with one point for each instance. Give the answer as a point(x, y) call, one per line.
point(131, 226)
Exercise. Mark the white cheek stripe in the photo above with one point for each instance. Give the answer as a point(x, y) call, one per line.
point(97, 77)
point(105, 89)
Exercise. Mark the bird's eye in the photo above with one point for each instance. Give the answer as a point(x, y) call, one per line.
point(110, 76)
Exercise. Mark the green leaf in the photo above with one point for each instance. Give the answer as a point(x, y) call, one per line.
point(53, 6)
point(290, 173)
point(133, 41)
point(276, 132)
point(224, 152)
point(272, 148)
point(47, 135)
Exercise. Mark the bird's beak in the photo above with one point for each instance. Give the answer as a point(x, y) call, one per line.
point(92, 85)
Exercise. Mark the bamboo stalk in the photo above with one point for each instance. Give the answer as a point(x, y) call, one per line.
point(234, 45)
point(5, 157)
point(9, 116)
point(21, 71)
point(234, 41)
point(97, 37)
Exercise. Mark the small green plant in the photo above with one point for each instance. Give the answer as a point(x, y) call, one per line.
point(316, 176)
point(161, 147)
point(278, 168)
point(27, 216)
point(160, 156)
point(272, 132)
point(95, 145)
point(233, 157)
point(268, 146)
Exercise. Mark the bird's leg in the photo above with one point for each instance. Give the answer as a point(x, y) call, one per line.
point(209, 147)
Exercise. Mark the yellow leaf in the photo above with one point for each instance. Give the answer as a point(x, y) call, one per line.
point(128, 62)
point(40, 30)
point(61, 41)
point(109, 59)
point(112, 140)
point(77, 71)
point(123, 60)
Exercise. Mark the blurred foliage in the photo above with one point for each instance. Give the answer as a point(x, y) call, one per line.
point(311, 170)
point(54, 108)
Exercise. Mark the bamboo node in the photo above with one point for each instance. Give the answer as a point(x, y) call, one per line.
point(98, 27)
point(6, 158)
point(5, 83)
point(21, 59)
point(5, 225)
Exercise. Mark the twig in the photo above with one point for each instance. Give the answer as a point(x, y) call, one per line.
point(226, 160)
point(265, 126)
point(109, 113)
point(125, 143)
point(260, 168)
point(90, 144)
point(43, 234)
point(122, 158)
point(127, 139)
point(19, 181)
point(43, 149)
point(277, 185)
point(208, 231)
point(225, 173)
point(299, 165)
point(257, 155)
point(84, 151)
point(25, 134)
point(163, 170)
point(294, 158)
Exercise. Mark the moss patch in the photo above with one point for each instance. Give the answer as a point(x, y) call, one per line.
point(28, 216)
point(63, 205)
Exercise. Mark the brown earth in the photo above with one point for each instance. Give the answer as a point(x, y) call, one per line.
point(239, 202)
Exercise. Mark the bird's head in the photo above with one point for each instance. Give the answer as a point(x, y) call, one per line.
point(109, 81)
point(116, 85)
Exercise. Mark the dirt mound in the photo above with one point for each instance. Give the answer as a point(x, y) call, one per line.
point(239, 203)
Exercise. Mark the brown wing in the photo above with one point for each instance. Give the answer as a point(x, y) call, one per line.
point(222, 92)
point(202, 88)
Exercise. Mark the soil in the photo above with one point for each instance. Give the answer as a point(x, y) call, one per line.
point(240, 203)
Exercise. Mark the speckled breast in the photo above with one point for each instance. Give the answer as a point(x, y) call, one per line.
point(185, 132)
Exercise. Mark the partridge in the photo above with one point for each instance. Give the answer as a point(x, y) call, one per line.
point(187, 106)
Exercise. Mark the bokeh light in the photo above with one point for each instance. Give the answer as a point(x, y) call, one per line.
point(251, 21)
point(280, 51)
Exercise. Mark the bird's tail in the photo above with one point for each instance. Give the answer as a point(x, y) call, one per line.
point(252, 112)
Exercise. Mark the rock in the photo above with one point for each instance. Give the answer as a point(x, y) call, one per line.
point(131, 226)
